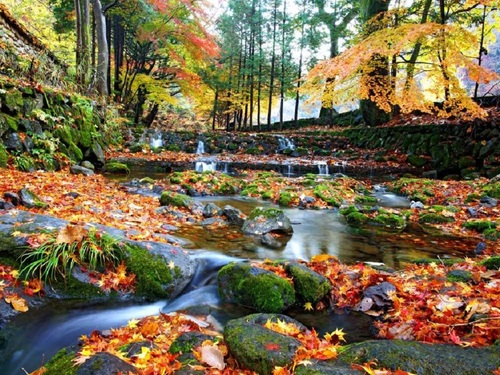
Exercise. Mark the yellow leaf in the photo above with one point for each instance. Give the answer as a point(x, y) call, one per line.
point(133, 323)
point(308, 306)
point(17, 302)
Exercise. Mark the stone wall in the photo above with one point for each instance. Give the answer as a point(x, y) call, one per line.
point(24, 55)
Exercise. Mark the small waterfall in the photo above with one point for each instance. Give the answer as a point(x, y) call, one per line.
point(207, 165)
point(287, 170)
point(285, 144)
point(201, 147)
point(156, 141)
point(322, 168)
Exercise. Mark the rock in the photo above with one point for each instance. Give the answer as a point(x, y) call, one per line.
point(480, 248)
point(135, 348)
point(325, 368)
point(471, 212)
point(422, 358)
point(87, 164)
point(432, 174)
point(12, 142)
point(104, 363)
point(257, 348)
point(379, 294)
point(211, 210)
point(269, 241)
point(29, 199)
point(419, 205)
point(234, 216)
point(6, 205)
point(12, 197)
point(116, 168)
point(213, 221)
point(79, 169)
point(310, 286)
point(95, 155)
point(416, 160)
point(169, 198)
point(488, 202)
point(255, 288)
point(266, 220)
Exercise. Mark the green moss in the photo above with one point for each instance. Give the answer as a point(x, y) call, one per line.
point(472, 198)
point(347, 210)
point(61, 363)
point(269, 213)
point(267, 195)
point(445, 261)
point(491, 263)
point(416, 160)
point(492, 234)
point(153, 276)
point(117, 168)
point(252, 151)
point(64, 134)
point(479, 225)
point(459, 276)
point(169, 198)
point(310, 286)
point(286, 198)
point(492, 190)
point(73, 288)
point(389, 220)
point(173, 147)
point(328, 194)
point(362, 199)
point(4, 157)
point(74, 152)
point(356, 218)
point(433, 218)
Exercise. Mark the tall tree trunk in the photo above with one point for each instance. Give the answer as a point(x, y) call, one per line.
point(282, 89)
point(273, 62)
point(119, 46)
point(372, 114)
point(101, 83)
point(259, 85)
point(83, 50)
point(299, 75)
point(481, 49)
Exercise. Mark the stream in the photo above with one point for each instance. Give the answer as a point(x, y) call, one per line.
point(39, 334)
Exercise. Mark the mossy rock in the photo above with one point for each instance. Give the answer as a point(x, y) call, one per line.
point(479, 225)
point(423, 358)
point(491, 263)
point(459, 276)
point(445, 261)
point(255, 288)
point(13, 101)
point(73, 288)
point(492, 190)
point(64, 134)
point(169, 198)
point(152, 274)
point(257, 348)
point(286, 198)
point(104, 363)
point(365, 199)
point(416, 160)
point(116, 168)
point(310, 286)
point(61, 363)
point(492, 234)
point(434, 218)
point(7, 122)
point(74, 152)
point(4, 157)
point(356, 218)
point(389, 220)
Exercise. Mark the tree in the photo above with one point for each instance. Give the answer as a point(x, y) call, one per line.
point(445, 49)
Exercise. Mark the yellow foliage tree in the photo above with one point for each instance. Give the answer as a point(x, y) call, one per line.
point(446, 50)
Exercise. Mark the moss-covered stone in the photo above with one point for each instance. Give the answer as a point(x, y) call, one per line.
point(255, 288)
point(116, 168)
point(61, 363)
point(286, 198)
point(152, 274)
point(356, 218)
point(328, 194)
point(434, 218)
point(169, 198)
point(491, 263)
point(4, 156)
point(258, 348)
point(416, 160)
point(73, 288)
point(445, 261)
point(309, 285)
point(74, 152)
point(492, 190)
point(423, 358)
point(13, 101)
point(459, 276)
point(492, 234)
point(479, 225)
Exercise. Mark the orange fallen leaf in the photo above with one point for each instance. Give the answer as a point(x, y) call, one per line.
point(17, 302)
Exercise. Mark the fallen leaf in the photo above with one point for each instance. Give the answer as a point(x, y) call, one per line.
point(212, 356)
point(17, 302)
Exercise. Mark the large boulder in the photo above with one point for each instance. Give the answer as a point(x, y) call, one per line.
point(310, 286)
point(169, 198)
point(104, 363)
point(265, 220)
point(255, 288)
point(421, 358)
point(234, 215)
point(258, 348)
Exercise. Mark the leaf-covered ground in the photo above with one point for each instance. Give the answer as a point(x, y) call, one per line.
point(436, 302)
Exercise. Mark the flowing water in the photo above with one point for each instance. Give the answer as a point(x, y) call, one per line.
point(38, 334)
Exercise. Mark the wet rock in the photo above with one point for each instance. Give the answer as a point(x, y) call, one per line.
point(422, 358)
point(488, 202)
point(255, 288)
point(78, 169)
point(87, 164)
point(325, 368)
point(480, 248)
point(471, 212)
point(29, 199)
point(310, 286)
point(95, 155)
point(12, 142)
point(377, 296)
point(135, 348)
point(258, 348)
point(211, 210)
point(234, 216)
point(169, 198)
point(269, 241)
point(213, 221)
point(6, 205)
point(12, 197)
point(104, 363)
point(266, 220)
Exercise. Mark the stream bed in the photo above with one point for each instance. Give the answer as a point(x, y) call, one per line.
point(39, 334)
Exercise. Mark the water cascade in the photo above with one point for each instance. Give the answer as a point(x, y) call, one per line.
point(322, 168)
point(205, 164)
point(156, 141)
point(284, 144)
point(287, 170)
